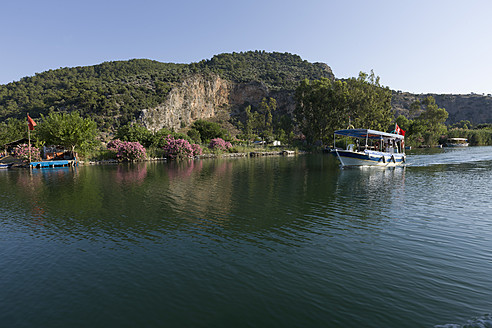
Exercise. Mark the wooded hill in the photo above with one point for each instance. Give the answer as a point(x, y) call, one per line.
point(472, 107)
point(114, 93)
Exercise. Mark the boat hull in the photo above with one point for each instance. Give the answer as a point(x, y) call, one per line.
point(369, 158)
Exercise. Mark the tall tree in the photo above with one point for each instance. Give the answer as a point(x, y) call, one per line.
point(370, 103)
point(267, 107)
point(248, 126)
point(208, 130)
point(321, 108)
point(324, 106)
point(12, 129)
point(134, 132)
point(68, 130)
point(429, 125)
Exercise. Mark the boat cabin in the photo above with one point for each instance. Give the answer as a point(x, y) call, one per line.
point(456, 142)
point(366, 139)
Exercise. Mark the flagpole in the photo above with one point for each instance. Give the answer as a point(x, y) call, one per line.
point(29, 139)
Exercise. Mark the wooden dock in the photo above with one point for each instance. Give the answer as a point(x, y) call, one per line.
point(54, 163)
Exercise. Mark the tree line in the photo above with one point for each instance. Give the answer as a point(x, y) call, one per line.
point(322, 106)
point(115, 93)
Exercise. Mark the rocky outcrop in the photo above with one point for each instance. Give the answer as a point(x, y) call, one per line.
point(203, 96)
point(197, 97)
point(472, 107)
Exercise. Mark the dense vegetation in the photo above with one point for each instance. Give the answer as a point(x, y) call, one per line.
point(478, 136)
point(114, 93)
point(428, 128)
point(324, 106)
point(275, 70)
point(67, 130)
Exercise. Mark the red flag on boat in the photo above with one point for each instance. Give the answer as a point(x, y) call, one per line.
point(30, 122)
point(398, 130)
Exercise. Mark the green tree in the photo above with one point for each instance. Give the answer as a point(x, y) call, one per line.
point(248, 126)
point(463, 124)
point(135, 133)
point(267, 107)
point(67, 129)
point(13, 129)
point(404, 122)
point(195, 136)
point(208, 130)
point(284, 128)
point(429, 125)
point(324, 106)
point(321, 108)
point(369, 103)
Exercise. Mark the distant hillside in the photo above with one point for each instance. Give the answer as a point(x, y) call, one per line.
point(278, 71)
point(474, 108)
point(175, 95)
point(114, 93)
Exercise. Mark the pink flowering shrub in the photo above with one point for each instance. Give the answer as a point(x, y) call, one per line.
point(219, 144)
point(127, 150)
point(22, 152)
point(180, 148)
point(197, 150)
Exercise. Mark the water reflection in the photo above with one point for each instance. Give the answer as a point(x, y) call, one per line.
point(134, 173)
point(264, 198)
point(194, 237)
point(362, 199)
point(199, 187)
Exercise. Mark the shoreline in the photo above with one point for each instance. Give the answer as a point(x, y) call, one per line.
point(18, 164)
point(204, 156)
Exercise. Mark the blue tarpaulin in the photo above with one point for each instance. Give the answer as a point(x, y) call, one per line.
point(367, 133)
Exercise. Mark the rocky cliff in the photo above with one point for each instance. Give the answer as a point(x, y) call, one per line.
point(175, 95)
point(473, 107)
point(203, 96)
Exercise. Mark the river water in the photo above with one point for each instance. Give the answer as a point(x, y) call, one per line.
point(250, 242)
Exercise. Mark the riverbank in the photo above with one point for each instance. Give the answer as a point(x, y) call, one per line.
point(17, 163)
point(210, 155)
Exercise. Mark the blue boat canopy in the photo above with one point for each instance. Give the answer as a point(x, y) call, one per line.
point(370, 134)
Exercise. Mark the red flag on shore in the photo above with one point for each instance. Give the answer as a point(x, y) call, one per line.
point(398, 130)
point(30, 122)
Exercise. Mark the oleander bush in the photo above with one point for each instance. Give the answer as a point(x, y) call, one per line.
point(22, 152)
point(219, 144)
point(180, 148)
point(126, 151)
point(197, 150)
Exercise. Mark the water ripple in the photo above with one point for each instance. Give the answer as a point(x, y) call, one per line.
point(254, 242)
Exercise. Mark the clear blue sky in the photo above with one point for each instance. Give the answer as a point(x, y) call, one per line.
point(416, 46)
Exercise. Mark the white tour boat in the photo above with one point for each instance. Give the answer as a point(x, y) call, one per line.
point(457, 142)
point(370, 148)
